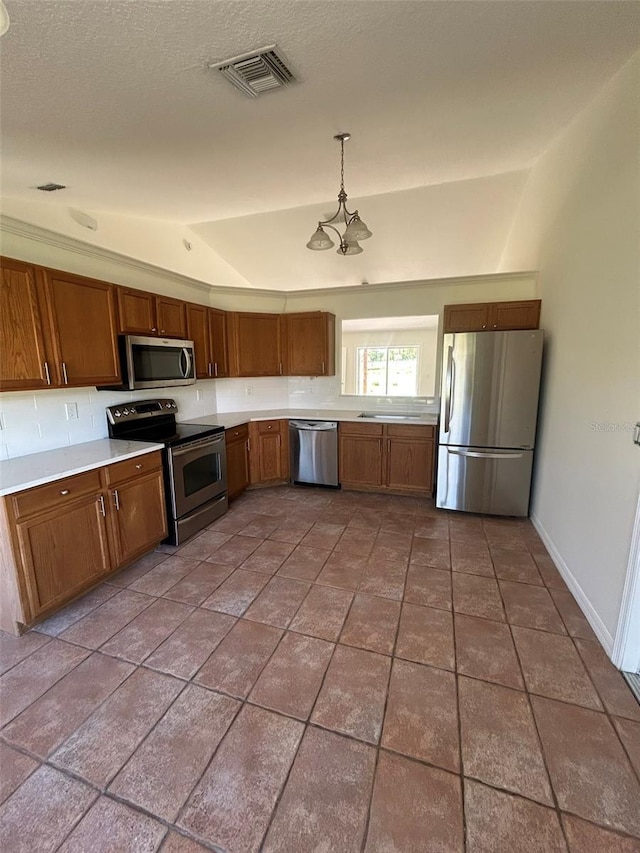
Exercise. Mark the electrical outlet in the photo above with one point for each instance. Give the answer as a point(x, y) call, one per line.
point(249, 390)
point(71, 410)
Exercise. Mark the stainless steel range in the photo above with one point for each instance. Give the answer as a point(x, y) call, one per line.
point(195, 464)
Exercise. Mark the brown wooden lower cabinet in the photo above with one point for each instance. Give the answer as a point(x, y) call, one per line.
point(61, 538)
point(394, 458)
point(237, 445)
point(269, 451)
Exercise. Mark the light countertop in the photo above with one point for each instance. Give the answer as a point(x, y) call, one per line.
point(232, 419)
point(24, 472)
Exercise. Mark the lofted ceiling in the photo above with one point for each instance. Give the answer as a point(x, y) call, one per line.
point(449, 104)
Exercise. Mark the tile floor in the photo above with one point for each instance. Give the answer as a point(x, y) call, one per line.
point(322, 671)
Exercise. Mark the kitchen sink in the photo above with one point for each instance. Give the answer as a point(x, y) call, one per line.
point(387, 416)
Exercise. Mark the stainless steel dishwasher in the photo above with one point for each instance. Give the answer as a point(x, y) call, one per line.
point(314, 452)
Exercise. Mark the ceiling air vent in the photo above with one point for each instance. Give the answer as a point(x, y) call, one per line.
point(256, 72)
point(49, 188)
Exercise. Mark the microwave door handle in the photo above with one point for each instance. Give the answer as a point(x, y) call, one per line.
point(187, 362)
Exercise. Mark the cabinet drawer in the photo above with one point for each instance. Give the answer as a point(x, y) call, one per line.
point(60, 493)
point(349, 428)
point(238, 433)
point(425, 431)
point(136, 467)
point(268, 426)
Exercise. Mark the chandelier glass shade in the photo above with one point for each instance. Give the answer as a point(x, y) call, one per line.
point(355, 228)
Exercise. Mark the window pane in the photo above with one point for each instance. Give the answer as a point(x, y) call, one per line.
point(403, 371)
point(372, 370)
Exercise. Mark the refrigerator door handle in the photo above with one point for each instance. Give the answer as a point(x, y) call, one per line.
point(483, 454)
point(448, 402)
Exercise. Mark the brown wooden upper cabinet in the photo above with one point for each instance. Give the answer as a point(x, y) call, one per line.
point(25, 358)
point(310, 343)
point(83, 313)
point(206, 327)
point(492, 316)
point(142, 313)
point(58, 329)
point(255, 344)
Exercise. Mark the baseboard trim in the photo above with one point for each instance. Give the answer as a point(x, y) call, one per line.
point(600, 629)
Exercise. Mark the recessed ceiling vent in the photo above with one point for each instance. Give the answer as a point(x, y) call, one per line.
point(256, 72)
point(49, 188)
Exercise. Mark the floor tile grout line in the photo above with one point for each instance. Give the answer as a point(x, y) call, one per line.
point(543, 755)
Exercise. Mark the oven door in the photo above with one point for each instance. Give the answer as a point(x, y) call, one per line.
point(197, 473)
point(158, 362)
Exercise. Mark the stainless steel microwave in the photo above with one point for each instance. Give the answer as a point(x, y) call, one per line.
point(148, 362)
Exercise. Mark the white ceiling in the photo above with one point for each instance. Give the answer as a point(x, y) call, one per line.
point(449, 104)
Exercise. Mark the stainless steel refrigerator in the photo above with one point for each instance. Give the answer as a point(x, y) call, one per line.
point(489, 406)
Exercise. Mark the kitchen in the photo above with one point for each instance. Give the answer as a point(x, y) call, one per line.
point(574, 224)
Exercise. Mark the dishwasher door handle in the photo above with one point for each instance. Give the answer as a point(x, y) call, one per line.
point(314, 426)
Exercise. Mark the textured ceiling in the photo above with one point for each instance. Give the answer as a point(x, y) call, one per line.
point(114, 100)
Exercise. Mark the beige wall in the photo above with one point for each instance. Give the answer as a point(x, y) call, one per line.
point(579, 224)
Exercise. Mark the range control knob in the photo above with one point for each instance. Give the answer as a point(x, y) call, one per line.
point(126, 412)
point(118, 413)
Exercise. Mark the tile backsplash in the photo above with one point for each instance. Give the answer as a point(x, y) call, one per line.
point(34, 421)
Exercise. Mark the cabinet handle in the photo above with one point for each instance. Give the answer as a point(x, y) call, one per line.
point(46, 372)
point(64, 491)
point(484, 327)
point(215, 368)
point(248, 445)
point(270, 427)
point(495, 325)
point(101, 502)
point(209, 371)
point(323, 367)
point(162, 332)
point(280, 368)
point(116, 499)
point(154, 329)
point(64, 373)
point(139, 466)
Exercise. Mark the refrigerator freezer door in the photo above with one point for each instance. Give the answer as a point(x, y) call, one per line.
point(484, 480)
point(490, 388)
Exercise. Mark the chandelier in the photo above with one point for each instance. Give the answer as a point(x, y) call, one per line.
point(355, 228)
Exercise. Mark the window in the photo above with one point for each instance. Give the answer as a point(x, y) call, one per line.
point(389, 356)
point(387, 371)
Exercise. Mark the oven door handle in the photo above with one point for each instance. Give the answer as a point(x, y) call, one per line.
point(185, 359)
point(197, 445)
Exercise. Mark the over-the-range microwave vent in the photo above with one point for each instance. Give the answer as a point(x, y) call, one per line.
point(256, 72)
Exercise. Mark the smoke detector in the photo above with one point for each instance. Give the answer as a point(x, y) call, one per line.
point(256, 72)
point(50, 187)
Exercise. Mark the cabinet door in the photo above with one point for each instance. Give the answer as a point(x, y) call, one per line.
point(254, 344)
point(237, 466)
point(310, 343)
point(86, 335)
point(268, 455)
point(136, 311)
point(514, 315)
point(466, 318)
point(137, 517)
point(218, 342)
point(361, 460)
point(410, 465)
point(198, 332)
point(171, 315)
point(24, 360)
point(63, 551)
